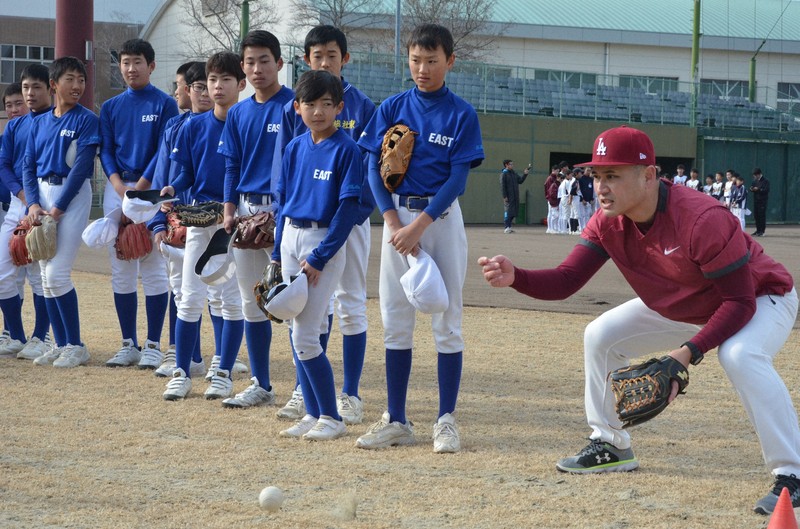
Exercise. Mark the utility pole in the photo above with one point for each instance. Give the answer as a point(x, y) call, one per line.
point(695, 63)
point(244, 25)
point(751, 88)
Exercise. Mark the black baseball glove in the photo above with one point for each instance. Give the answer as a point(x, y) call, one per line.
point(642, 391)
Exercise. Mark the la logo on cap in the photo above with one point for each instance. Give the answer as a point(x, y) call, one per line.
point(601, 147)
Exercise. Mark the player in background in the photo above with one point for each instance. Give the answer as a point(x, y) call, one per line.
point(320, 189)
point(57, 172)
point(165, 172)
point(701, 283)
point(35, 91)
point(202, 173)
point(248, 145)
point(325, 48)
point(14, 102)
point(131, 125)
point(423, 213)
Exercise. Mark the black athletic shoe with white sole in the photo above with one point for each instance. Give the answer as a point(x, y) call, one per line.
point(767, 504)
point(599, 456)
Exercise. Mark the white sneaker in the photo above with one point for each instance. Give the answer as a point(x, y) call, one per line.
point(254, 395)
point(49, 356)
point(72, 356)
point(197, 369)
point(5, 337)
point(10, 348)
point(350, 408)
point(178, 386)
point(221, 385)
point(151, 355)
point(300, 428)
point(33, 349)
point(128, 355)
point(386, 433)
point(168, 364)
point(446, 439)
point(327, 428)
point(508, 230)
point(295, 408)
point(214, 366)
point(239, 367)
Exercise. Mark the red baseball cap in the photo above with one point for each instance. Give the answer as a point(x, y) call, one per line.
point(622, 146)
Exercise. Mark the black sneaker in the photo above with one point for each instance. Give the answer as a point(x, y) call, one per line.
point(598, 457)
point(767, 504)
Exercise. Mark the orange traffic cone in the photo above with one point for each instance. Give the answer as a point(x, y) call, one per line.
point(783, 515)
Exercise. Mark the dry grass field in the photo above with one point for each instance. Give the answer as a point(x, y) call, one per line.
point(95, 447)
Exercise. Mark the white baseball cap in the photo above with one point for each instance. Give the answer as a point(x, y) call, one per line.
point(216, 265)
point(288, 299)
point(103, 231)
point(141, 206)
point(423, 284)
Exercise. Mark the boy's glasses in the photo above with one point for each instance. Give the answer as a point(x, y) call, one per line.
point(199, 88)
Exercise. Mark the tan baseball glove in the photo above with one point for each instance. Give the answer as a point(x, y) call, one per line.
point(41, 239)
point(398, 144)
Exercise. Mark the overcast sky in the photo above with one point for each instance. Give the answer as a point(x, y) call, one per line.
point(135, 10)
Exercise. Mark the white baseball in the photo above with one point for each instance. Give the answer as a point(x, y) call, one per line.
point(271, 498)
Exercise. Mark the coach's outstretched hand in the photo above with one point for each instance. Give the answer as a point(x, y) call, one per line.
point(497, 271)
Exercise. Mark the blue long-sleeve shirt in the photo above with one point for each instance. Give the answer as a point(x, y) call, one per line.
point(165, 170)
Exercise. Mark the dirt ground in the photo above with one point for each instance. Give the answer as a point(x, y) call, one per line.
point(98, 447)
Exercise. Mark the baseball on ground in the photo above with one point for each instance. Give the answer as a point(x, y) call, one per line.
point(270, 498)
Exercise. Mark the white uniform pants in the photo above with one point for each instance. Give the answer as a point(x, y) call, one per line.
point(12, 278)
point(632, 330)
point(739, 214)
point(585, 211)
point(124, 274)
point(446, 242)
point(296, 245)
point(57, 272)
point(250, 266)
point(351, 293)
point(194, 292)
point(553, 218)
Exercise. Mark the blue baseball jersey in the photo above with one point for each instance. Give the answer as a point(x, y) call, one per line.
point(448, 134)
point(248, 144)
point(317, 177)
point(202, 167)
point(12, 151)
point(358, 110)
point(131, 125)
point(46, 151)
point(165, 170)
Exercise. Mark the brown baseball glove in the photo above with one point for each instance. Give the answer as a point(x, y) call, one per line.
point(272, 277)
point(642, 391)
point(398, 144)
point(176, 232)
point(16, 244)
point(133, 241)
point(200, 215)
point(41, 239)
point(255, 232)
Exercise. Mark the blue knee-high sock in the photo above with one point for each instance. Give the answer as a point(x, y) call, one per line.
point(258, 335)
point(173, 316)
point(296, 372)
point(42, 320)
point(449, 371)
point(323, 338)
point(68, 307)
point(320, 377)
point(217, 323)
point(156, 309)
point(186, 333)
point(12, 312)
point(59, 332)
point(197, 353)
point(309, 399)
point(232, 331)
point(127, 306)
point(398, 371)
point(354, 347)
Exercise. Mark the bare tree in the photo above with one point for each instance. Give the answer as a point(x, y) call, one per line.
point(343, 14)
point(470, 22)
point(214, 24)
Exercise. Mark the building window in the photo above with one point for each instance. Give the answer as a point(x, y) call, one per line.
point(115, 80)
point(15, 57)
point(724, 88)
point(651, 85)
point(789, 98)
point(215, 7)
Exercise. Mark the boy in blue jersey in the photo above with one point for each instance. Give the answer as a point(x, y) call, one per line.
point(321, 181)
point(131, 125)
point(56, 174)
point(326, 49)
point(203, 174)
point(35, 89)
point(248, 145)
point(423, 212)
point(165, 172)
